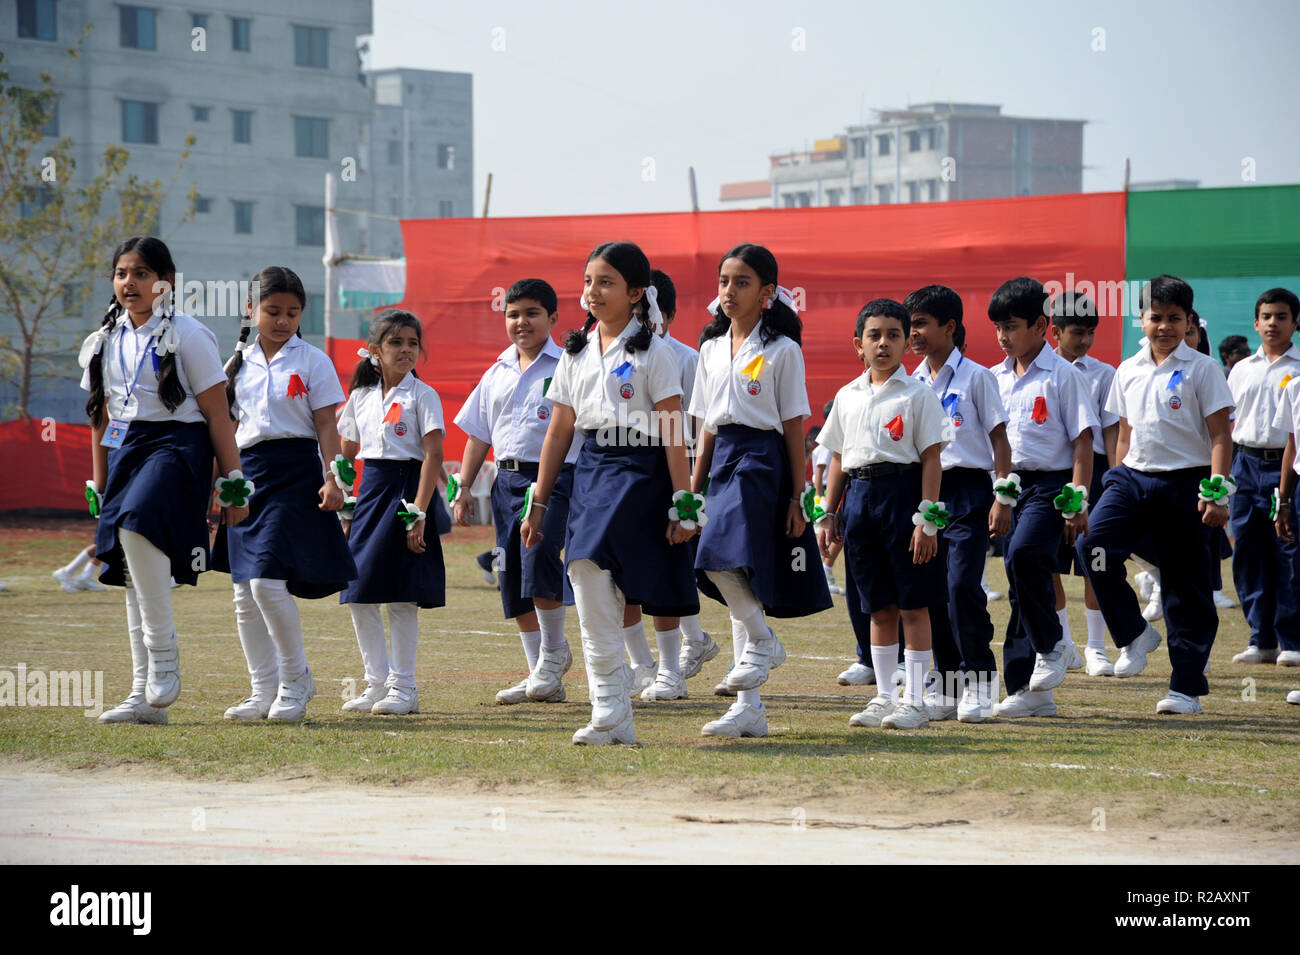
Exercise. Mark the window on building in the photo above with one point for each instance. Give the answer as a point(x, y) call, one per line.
point(805, 200)
point(309, 224)
point(201, 113)
point(241, 29)
point(311, 47)
point(835, 197)
point(312, 321)
point(311, 137)
point(51, 128)
point(139, 27)
point(913, 192)
point(394, 152)
point(446, 156)
point(37, 20)
point(242, 125)
point(199, 21)
point(859, 195)
point(243, 217)
point(885, 194)
point(202, 205)
point(788, 200)
point(882, 144)
point(446, 209)
point(139, 122)
point(931, 139)
point(914, 141)
point(859, 147)
point(932, 190)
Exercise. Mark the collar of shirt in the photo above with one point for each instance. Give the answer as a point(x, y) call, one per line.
point(403, 387)
point(922, 372)
point(254, 351)
point(1045, 359)
point(511, 355)
point(125, 320)
point(1183, 353)
point(897, 379)
point(1292, 352)
point(631, 328)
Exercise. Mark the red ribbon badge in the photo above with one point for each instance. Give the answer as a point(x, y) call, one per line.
point(1040, 409)
point(394, 413)
point(296, 388)
point(895, 427)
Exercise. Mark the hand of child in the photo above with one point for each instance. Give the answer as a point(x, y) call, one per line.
point(1076, 527)
point(1212, 515)
point(679, 535)
point(415, 538)
point(331, 498)
point(795, 520)
point(923, 546)
point(1283, 525)
point(825, 537)
point(999, 520)
point(530, 532)
point(463, 510)
point(235, 515)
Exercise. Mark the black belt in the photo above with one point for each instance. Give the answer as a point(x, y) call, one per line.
point(1264, 454)
point(514, 464)
point(879, 470)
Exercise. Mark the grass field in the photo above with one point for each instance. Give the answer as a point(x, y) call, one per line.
point(1238, 764)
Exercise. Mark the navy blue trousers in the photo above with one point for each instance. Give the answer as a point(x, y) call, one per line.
point(1035, 550)
point(1261, 561)
point(859, 618)
point(1163, 507)
point(961, 627)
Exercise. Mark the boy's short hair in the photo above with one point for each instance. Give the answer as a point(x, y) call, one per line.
point(666, 292)
point(826, 409)
point(536, 289)
point(1165, 290)
point(1233, 345)
point(1284, 295)
point(1021, 297)
point(886, 307)
point(937, 300)
point(1073, 308)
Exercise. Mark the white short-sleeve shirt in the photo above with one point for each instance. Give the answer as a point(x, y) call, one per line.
point(510, 409)
point(1256, 385)
point(1099, 375)
point(969, 396)
point(1048, 407)
point(620, 388)
point(1166, 406)
point(821, 456)
point(746, 391)
point(878, 424)
point(1287, 417)
point(276, 399)
point(391, 426)
point(198, 367)
point(688, 359)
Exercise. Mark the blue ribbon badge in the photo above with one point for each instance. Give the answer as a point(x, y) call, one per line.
point(1175, 380)
point(624, 371)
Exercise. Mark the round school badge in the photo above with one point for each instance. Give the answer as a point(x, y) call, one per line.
point(543, 413)
point(1175, 402)
point(399, 428)
point(958, 420)
point(626, 390)
point(754, 387)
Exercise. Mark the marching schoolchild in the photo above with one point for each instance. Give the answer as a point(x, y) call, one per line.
point(1286, 496)
point(80, 573)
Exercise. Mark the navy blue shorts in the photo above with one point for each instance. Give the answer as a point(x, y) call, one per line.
point(877, 516)
point(525, 573)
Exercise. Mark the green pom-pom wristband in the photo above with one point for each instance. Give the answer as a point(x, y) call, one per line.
point(688, 510)
point(1072, 501)
point(94, 500)
point(410, 515)
point(812, 511)
point(1007, 490)
point(530, 502)
point(454, 488)
point(1217, 489)
point(931, 517)
point(234, 489)
point(345, 473)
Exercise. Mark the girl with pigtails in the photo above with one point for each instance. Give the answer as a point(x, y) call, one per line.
point(283, 393)
point(157, 410)
point(630, 508)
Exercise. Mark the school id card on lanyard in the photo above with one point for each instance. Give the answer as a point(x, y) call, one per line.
point(115, 433)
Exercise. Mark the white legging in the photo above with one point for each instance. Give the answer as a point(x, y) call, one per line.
point(270, 631)
point(746, 618)
point(150, 573)
point(399, 671)
point(600, 616)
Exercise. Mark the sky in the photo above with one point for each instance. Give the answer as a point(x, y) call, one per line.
point(584, 108)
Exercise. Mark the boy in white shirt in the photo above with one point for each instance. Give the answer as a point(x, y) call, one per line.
point(1286, 497)
point(1175, 451)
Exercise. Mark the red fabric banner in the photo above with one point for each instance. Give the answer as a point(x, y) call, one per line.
point(50, 462)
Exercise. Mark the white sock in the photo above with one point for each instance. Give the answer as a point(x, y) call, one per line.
point(638, 647)
point(1096, 629)
point(552, 624)
point(1063, 616)
point(738, 638)
point(744, 606)
point(150, 572)
point(404, 634)
point(670, 644)
point(139, 655)
point(828, 569)
point(532, 640)
point(916, 662)
point(691, 629)
point(89, 572)
point(78, 562)
point(255, 638)
point(368, 622)
point(883, 661)
point(284, 625)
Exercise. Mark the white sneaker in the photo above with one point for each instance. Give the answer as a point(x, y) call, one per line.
point(877, 710)
point(1288, 658)
point(857, 675)
point(164, 684)
point(778, 653)
point(907, 717)
point(722, 689)
point(66, 580)
point(1146, 584)
point(624, 733)
point(831, 585)
point(290, 704)
point(740, 720)
point(641, 677)
point(1026, 703)
point(1098, 663)
point(89, 582)
point(1050, 668)
point(1292, 697)
point(978, 699)
point(667, 686)
point(134, 709)
point(937, 704)
point(400, 701)
point(755, 664)
point(251, 710)
point(547, 678)
point(1133, 658)
point(513, 694)
point(610, 706)
point(1153, 610)
point(1223, 602)
point(1179, 703)
point(1074, 659)
point(1253, 654)
point(693, 656)
point(990, 594)
point(365, 703)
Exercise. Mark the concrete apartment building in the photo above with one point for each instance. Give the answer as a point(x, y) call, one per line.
point(275, 95)
point(929, 152)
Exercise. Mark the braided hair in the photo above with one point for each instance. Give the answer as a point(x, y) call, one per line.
point(272, 280)
point(381, 326)
point(631, 263)
point(158, 258)
point(775, 320)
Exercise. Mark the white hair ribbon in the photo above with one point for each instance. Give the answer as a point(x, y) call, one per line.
point(91, 346)
point(656, 317)
point(365, 353)
point(782, 293)
point(582, 301)
point(167, 338)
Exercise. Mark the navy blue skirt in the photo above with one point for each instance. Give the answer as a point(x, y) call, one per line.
point(159, 483)
point(387, 570)
point(618, 518)
point(538, 571)
point(286, 536)
point(749, 497)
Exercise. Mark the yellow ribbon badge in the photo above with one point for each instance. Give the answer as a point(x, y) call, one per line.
point(753, 369)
